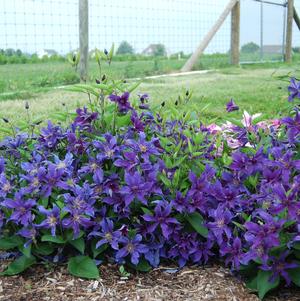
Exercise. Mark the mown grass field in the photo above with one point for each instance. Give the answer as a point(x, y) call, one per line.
point(255, 90)
point(23, 81)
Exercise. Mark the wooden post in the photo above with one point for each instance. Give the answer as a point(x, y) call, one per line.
point(193, 59)
point(296, 18)
point(235, 34)
point(289, 31)
point(83, 38)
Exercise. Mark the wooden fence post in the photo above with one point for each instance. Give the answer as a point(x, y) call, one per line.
point(235, 34)
point(296, 18)
point(204, 43)
point(289, 31)
point(83, 38)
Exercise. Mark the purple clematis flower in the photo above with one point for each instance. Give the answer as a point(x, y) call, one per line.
point(132, 247)
point(21, 213)
point(181, 203)
point(31, 234)
point(52, 179)
point(138, 124)
point(143, 147)
point(64, 165)
point(222, 217)
point(294, 89)
point(285, 162)
point(5, 186)
point(231, 106)
point(107, 234)
point(76, 145)
point(130, 161)
point(279, 267)
point(143, 101)
point(161, 218)
point(199, 185)
point(109, 149)
point(2, 165)
point(76, 220)
point(52, 219)
point(51, 136)
point(136, 187)
point(184, 247)
point(233, 253)
point(122, 101)
point(285, 200)
point(84, 119)
point(263, 236)
point(293, 126)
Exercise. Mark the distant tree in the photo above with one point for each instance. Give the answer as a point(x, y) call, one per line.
point(9, 52)
point(250, 48)
point(159, 50)
point(19, 52)
point(125, 48)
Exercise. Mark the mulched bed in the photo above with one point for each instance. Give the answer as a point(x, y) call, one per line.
point(193, 283)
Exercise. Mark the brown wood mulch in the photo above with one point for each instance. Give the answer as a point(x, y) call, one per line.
point(191, 283)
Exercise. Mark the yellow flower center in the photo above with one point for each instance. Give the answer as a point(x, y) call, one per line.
point(221, 223)
point(109, 153)
point(108, 236)
point(130, 247)
point(52, 220)
point(143, 148)
point(6, 187)
point(61, 165)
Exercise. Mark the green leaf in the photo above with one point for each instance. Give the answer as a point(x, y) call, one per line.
point(84, 267)
point(165, 180)
point(25, 251)
point(98, 251)
point(252, 284)
point(142, 266)
point(122, 121)
point(147, 211)
point(43, 249)
point(78, 244)
point(10, 242)
point(134, 86)
point(19, 265)
point(296, 245)
point(56, 239)
point(196, 221)
point(111, 51)
point(295, 275)
point(263, 283)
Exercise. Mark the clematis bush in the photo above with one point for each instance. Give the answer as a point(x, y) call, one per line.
point(136, 186)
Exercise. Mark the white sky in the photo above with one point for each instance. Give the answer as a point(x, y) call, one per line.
point(33, 25)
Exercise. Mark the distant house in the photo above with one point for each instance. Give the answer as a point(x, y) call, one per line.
point(155, 50)
point(272, 49)
point(46, 52)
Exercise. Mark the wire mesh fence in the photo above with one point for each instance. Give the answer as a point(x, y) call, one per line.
point(46, 27)
point(37, 25)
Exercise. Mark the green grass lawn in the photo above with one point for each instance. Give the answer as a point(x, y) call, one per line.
point(255, 90)
point(22, 81)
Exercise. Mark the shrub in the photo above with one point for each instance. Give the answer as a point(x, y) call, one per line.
point(139, 187)
point(125, 48)
point(250, 48)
